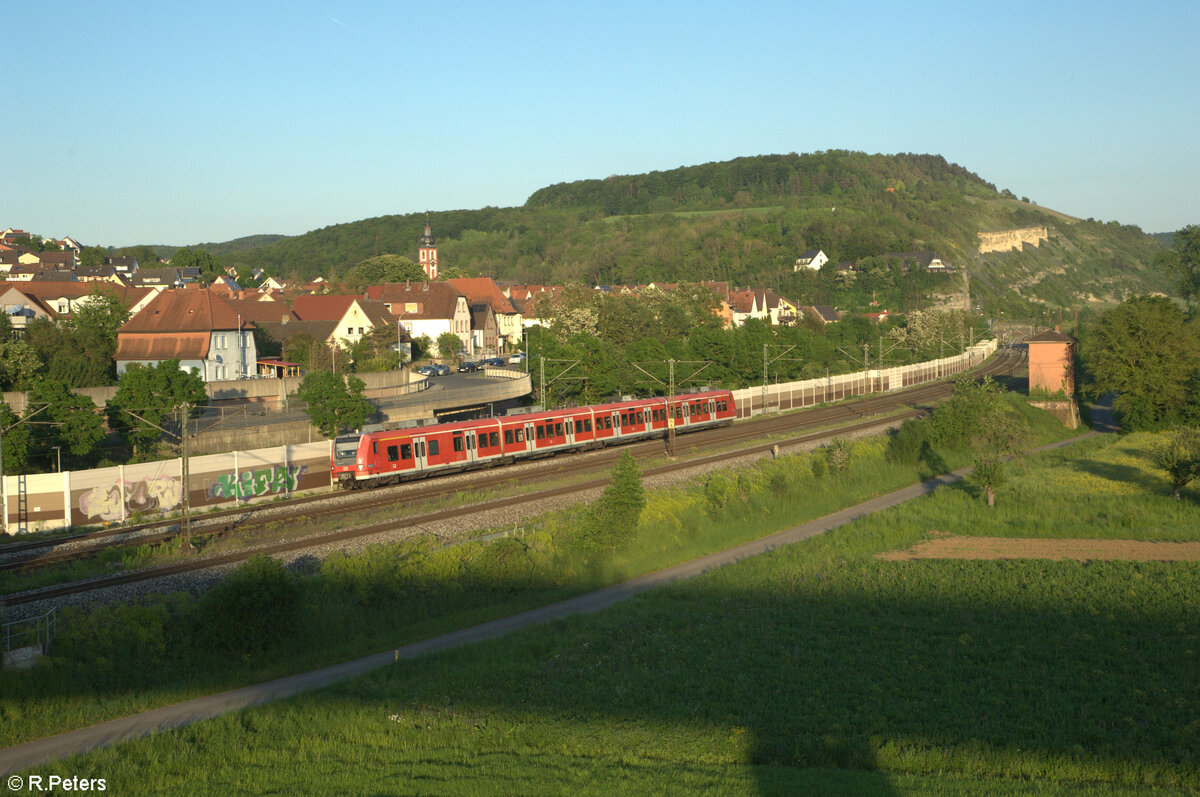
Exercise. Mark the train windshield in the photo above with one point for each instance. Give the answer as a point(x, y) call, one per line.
point(346, 447)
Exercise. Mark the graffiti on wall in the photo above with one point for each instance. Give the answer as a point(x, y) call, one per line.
point(254, 483)
point(148, 494)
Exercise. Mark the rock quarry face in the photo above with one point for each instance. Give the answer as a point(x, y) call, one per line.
point(1011, 239)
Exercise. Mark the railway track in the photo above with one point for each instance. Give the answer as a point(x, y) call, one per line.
point(246, 521)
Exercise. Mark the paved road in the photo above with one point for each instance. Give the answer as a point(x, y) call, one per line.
point(30, 754)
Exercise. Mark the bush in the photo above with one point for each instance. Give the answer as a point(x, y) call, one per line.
point(258, 604)
point(838, 454)
point(909, 444)
point(720, 490)
point(612, 521)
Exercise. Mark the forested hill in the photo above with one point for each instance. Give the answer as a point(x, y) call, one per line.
point(745, 221)
point(767, 178)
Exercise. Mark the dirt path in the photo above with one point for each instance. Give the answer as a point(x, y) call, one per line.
point(951, 547)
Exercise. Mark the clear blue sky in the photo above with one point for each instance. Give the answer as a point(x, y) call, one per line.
point(176, 123)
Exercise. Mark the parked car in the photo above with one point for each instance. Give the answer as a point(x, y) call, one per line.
point(496, 361)
point(442, 369)
point(517, 358)
point(467, 368)
point(428, 370)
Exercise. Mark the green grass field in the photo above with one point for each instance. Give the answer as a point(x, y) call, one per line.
point(817, 668)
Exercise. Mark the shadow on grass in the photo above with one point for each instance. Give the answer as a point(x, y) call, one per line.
point(823, 675)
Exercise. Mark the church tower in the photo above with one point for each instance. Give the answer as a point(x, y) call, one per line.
point(427, 253)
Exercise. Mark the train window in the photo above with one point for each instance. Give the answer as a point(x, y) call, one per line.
point(541, 432)
point(483, 439)
point(678, 410)
point(405, 451)
point(558, 430)
point(587, 424)
point(508, 436)
point(607, 421)
point(433, 448)
point(520, 435)
point(374, 446)
point(494, 437)
point(458, 442)
point(393, 453)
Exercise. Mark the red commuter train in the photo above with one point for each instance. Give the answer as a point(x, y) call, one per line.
point(374, 458)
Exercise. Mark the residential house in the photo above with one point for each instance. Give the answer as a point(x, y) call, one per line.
point(811, 259)
point(482, 290)
point(926, 260)
point(98, 274)
point(62, 261)
point(124, 265)
point(227, 287)
point(427, 308)
point(194, 326)
point(485, 332)
point(355, 316)
point(64, 297)
point(765, 305)
point(163, 277)
point(20, 307)
point(533, 302)
point(822, 313)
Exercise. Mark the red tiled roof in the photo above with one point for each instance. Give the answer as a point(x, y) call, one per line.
point(185, 310)
point(483, 290)
point(433, 299)
point(257, 312)
point(322, 308)
point(185, 346)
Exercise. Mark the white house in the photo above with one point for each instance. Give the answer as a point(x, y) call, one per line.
point(811, 259)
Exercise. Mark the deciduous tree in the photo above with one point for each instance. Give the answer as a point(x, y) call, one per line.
point(380, 269)
point(146, 395)
point(1143, 351)
point(334, 403)
point(448, 344)
point(69, 422)
point(1179, 456)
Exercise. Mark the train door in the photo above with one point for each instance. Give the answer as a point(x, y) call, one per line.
point(419, 459)
point(472, 451)
point(570, 431)
point(530, 437)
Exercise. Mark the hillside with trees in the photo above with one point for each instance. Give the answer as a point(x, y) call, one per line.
point(746, 220)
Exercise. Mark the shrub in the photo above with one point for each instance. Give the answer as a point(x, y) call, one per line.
point(256, 605)
point(838, 454)
point(909, 444)
point(720, 490)
point(613, 519)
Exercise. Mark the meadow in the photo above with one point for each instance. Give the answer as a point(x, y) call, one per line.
point(815, 668)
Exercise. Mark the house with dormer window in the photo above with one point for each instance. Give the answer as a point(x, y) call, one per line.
point(196, 327)
point(427, 308)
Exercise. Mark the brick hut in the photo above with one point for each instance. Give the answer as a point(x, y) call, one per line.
point(1050, 358)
